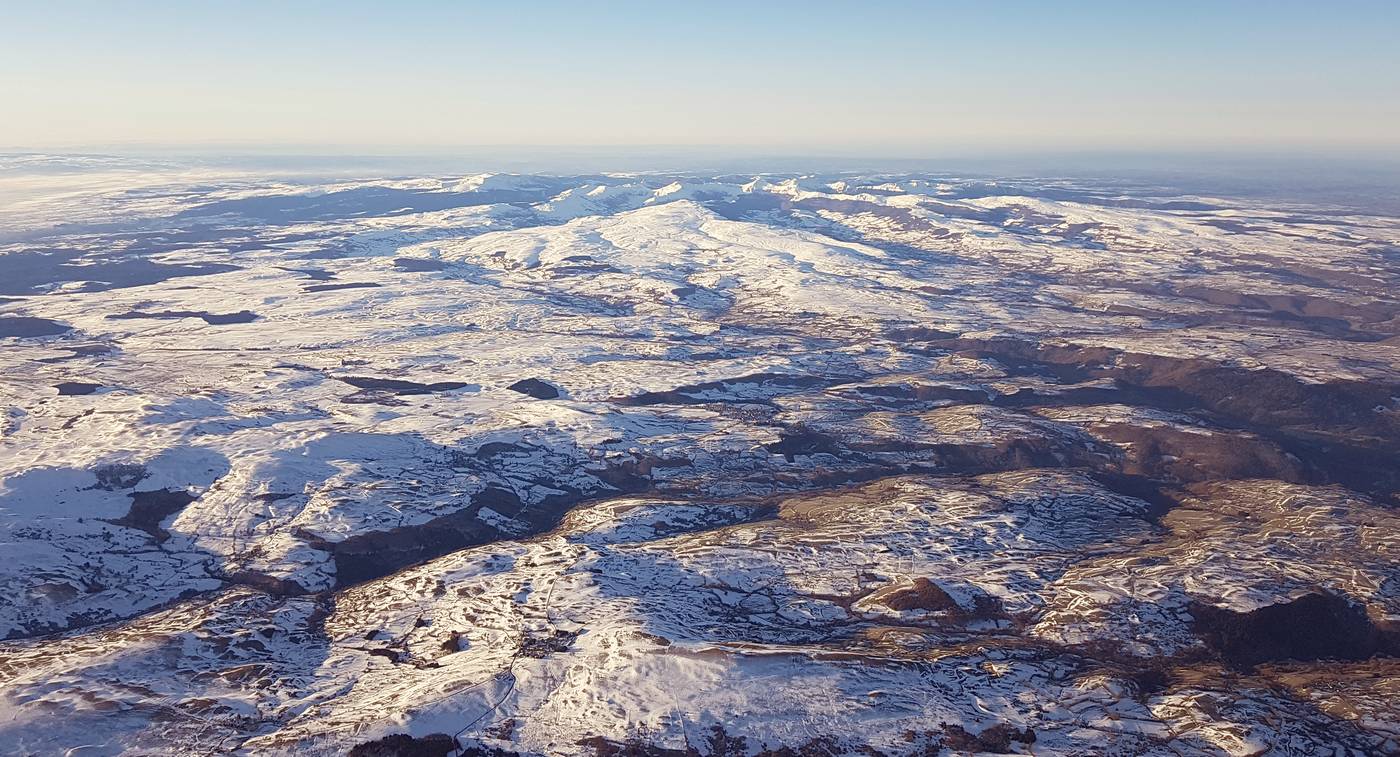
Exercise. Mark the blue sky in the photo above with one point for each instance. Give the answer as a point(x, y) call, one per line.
point(871, 76)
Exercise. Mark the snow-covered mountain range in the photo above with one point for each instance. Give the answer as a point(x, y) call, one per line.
point(691, 464)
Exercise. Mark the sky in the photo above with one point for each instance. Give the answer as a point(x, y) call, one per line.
point(915, 78)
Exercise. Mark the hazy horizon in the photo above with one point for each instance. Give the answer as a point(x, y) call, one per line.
point(898, 79)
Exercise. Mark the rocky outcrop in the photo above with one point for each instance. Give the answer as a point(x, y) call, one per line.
point(536, 388)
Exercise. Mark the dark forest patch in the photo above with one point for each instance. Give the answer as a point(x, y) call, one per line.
point(24, 326)
point(399, 386)
point(213, 319)
point(346, 285)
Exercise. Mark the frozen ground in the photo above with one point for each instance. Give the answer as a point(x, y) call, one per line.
point(690, 464)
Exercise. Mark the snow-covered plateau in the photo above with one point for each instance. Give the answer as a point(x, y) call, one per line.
point(692, 465)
